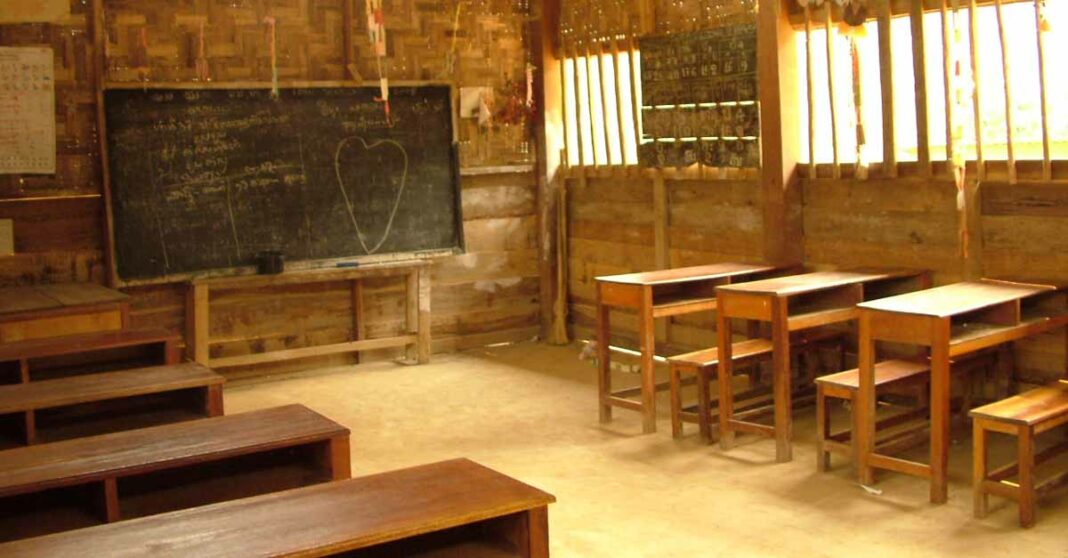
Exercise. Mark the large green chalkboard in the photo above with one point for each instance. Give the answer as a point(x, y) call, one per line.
point(204, 179)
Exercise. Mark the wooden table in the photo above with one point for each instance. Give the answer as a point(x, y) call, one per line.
point(416, 340)
point(791, 304)
point(37, 311)
point(953, 320)
point(654, 294)
point(452, 505)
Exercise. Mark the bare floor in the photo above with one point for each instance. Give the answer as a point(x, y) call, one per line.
point(529, 411)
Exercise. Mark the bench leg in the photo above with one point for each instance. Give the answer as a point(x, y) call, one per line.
point(704, 404)
point(111, 500)
point(979, 495)
point(30, 424)
point(676, 403)
point(1026, 450)
point(340, 458)
point(823, 431)
point(213, 400)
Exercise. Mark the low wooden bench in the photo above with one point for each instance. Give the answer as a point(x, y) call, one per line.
point(1025, 416)
point(844, 386)
point(703, 365)
point(79, 483)
point(53, 357)
point(452, 508)
point(85, 405)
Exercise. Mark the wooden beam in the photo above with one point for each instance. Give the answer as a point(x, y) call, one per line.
point(886, 74)
point(811, 89)
point(973, 36)
point(1047, 163)
point(836, 168)
point(919, 57)
point(779, 130)
point(660, 223)
point(99, 77)
point(1008, 91)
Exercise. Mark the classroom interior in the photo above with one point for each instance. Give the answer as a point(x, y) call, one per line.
point(487, 278)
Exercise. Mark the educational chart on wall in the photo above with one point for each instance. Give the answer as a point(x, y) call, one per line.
point(699, 97)
point(27, 111)
point(205, 179)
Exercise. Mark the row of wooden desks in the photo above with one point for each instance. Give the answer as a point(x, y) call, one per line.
point(952, 321)
point(792, 304)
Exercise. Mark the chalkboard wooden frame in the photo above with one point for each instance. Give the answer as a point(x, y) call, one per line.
point(110, 250)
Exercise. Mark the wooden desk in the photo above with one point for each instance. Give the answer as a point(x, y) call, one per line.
point(409, 512)
point(38, 311)
point(136, 473)
point(953, 320)
point(416, 340)
point(654, 294)
point(790, 304)
point(70, 355)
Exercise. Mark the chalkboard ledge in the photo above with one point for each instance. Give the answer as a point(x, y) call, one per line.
point(503, 169)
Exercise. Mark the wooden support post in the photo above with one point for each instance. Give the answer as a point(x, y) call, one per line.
point(1047, 163)
point(621, 111)
point(811, 94)
point(836, 168)
point(948, 81)
point(919, 68)
point(411, 309)
point(780, 127)
point(99, 75)
point(356, 291)
point(551, 128)
point(424, 322)
point(886, 75)
point(973, 36)
point(1002, 36)
point(197, 323)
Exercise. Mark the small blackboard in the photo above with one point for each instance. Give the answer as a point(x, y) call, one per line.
point(712, 66)
point(202, 180)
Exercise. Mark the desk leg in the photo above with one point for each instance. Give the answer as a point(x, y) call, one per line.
point(527, 532)
point(647, 339)
point(604, 366)
point(724, 373)
point(864, 437)
point(780, 340)
point(939, 410)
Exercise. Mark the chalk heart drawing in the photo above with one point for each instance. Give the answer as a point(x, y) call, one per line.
point(360, 164)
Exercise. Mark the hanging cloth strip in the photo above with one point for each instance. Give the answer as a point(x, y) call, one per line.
point(376, 31)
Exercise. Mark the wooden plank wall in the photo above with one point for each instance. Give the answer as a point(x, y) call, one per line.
point(612, 225)
point(488, 295)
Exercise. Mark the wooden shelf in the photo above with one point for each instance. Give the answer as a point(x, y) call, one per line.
point(814, 316)
point(676, 304)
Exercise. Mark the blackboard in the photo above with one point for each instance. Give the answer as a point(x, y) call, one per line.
point(202, 180)
point(711, 66)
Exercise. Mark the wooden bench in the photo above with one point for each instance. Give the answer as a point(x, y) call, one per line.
point(52, 310)
point(453, 508)
point(1025, 416)
point(703, 366)
point(79, 483)
point(54, 357)
point(844, 386)
point(84, 405)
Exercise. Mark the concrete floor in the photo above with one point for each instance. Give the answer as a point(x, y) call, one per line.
point(529, 411)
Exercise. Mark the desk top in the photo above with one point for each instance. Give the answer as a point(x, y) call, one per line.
point(320, 520)
point(811, 282)
point(16, 300)
point(687, 274)
point(958, 298)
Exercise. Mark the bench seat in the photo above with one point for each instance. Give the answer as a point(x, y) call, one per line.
point(458, 503)
point(77, 352)
point(169, 393)
point(152, 470)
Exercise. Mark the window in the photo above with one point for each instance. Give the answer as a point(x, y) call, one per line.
point(600, 108)
point(1021, 30)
